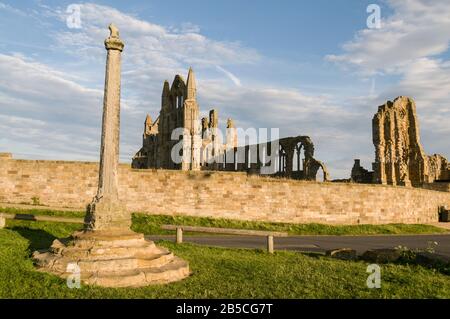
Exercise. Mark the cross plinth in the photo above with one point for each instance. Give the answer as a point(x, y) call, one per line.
point(107, 252)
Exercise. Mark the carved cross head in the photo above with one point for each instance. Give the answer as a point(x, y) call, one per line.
point(114, 32)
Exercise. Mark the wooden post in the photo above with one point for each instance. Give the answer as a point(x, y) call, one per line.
point(179, 235)
point(2, 221)
point(270, 244)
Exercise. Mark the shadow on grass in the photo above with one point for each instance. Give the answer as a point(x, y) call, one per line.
point(312, 254)
point(436, 264)
point(39, 239)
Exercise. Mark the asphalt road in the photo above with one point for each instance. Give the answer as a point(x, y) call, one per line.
point(322, 243)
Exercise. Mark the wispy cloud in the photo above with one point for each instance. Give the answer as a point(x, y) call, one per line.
point(230, 75)
point(10, 9)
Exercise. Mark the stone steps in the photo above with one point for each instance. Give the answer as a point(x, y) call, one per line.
point(77, 252)
point(175, 270)
point(119, 264)
point(112, 260)
point(110, 239)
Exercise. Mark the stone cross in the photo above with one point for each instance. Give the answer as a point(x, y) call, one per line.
point(107, 252)
point(106, 211)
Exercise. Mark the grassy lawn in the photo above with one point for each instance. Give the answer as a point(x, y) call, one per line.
point(151, 224)
point(217, 273)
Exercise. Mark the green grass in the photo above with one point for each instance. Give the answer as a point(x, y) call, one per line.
point(151, 224)
point(42, 211)
point(217, 273)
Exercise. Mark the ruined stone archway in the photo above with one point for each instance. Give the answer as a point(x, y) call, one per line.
point(292, 147)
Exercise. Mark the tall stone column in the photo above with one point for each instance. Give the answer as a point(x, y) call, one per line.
point(109, 153)
point(106, 211)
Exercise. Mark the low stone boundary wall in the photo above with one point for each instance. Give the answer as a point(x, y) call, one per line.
point(232, 195)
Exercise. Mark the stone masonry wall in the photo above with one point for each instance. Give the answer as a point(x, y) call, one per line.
point(220, 194)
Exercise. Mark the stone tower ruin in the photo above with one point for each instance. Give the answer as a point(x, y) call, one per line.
point(179, 115)
point(399, 155)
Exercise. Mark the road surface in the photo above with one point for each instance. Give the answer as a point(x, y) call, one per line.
point(321, 244)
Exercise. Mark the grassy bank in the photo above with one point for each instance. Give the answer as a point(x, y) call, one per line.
point(151, 224)
point(217, 273)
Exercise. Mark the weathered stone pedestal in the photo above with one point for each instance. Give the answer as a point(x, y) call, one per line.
point(121, 259)
point(107, 252)
point(111, 255)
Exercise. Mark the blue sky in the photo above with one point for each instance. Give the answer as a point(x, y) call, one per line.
point(308, 67)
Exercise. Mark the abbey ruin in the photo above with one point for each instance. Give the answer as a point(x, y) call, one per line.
point(179, 140)
point(399, 155)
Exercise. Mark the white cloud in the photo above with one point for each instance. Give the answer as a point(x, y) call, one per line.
point(417, 29)
point(428, 82)
point(44, 91)
point(44, 112)
point(151, 44)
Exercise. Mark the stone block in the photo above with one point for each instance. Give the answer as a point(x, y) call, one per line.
point(342, 253)
point(5, 156)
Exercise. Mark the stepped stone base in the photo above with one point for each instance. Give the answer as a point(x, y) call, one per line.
point(112, 259)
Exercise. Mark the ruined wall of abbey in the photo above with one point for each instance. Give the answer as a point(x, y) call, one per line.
point(234, 195)
point(399, 155)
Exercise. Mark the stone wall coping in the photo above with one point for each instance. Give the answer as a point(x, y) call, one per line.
point(5, 156)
